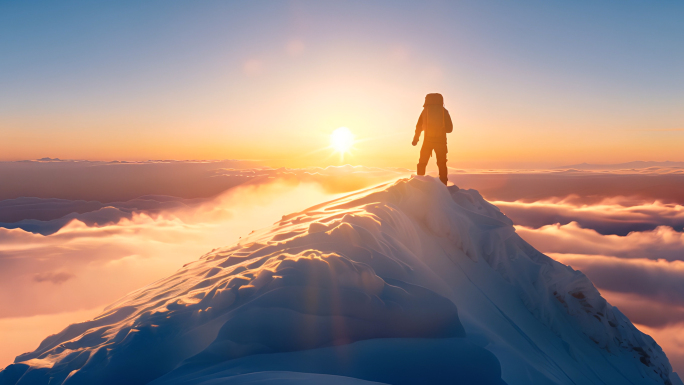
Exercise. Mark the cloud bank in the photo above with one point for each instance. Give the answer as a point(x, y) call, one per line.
point(94, 252)
point(622, 225)
point(617, 215)
point(661, 243)
point(72, 244)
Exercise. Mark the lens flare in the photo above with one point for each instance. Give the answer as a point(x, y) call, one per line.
point(342, 140)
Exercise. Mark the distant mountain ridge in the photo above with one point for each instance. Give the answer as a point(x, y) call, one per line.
point(621, 166)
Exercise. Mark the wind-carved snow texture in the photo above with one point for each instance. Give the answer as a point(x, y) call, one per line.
point(363, 289)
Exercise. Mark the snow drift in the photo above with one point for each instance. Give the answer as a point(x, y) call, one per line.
point(400, 284)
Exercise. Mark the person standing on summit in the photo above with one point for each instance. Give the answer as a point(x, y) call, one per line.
point(436, 123)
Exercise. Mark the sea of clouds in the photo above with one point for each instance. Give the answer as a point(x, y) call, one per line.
point(77, 235)
point(621, 227)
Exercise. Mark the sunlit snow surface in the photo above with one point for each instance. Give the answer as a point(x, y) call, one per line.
point(359, 290)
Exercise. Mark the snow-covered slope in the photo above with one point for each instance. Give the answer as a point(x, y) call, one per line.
point(401, 284)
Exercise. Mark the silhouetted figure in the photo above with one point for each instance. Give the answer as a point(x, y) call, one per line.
point(436, 123)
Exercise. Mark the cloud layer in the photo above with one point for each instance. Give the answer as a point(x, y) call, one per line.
point(616, 215)
point(580, 187)
point(96, 252)
point(623, 230)
point(661, 243)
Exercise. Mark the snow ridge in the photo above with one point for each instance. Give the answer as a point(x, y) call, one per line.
point(363, 288)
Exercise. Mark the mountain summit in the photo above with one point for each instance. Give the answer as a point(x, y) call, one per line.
point(407, 283)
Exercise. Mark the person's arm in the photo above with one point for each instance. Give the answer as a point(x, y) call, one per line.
point(448, 125)
point(419, 129)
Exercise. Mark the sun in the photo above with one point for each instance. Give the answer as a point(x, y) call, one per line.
point(342, 140)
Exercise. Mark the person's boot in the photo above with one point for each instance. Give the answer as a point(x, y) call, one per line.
point(443, 173)
point(421, 169)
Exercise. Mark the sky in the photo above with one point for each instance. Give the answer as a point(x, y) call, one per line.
point(528, 84)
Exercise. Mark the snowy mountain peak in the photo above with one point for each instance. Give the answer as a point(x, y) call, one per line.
point(405, 283)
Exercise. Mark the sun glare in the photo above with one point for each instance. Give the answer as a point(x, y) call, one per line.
point(342, 140)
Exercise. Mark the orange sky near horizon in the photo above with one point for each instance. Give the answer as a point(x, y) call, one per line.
point(382, 141)
point(295, 132)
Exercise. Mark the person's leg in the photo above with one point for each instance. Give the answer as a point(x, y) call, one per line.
point(425, 154)
point(441, 154)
